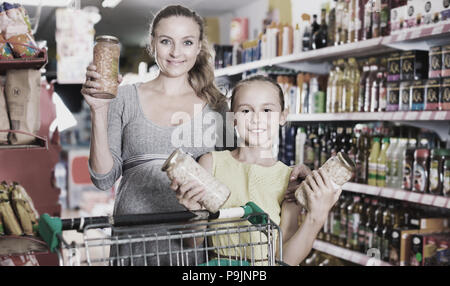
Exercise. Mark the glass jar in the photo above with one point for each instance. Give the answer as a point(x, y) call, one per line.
point(340, 169)
point(183, 168)
point(106, 60)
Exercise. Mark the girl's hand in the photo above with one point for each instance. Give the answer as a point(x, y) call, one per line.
point(298, 174)
point(320, 195)
point(92, 86)
point(189, 194)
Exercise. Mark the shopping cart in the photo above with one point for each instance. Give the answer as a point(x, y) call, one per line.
point(244, 236)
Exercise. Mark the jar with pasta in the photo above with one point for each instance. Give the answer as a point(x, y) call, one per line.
point(106, 60)
point(340, 169)
point(183, 168)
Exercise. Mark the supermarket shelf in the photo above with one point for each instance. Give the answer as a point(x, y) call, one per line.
point(413, 38)
point(346, 254)
point(373, 116)
point(399, 194)
point(25, 63)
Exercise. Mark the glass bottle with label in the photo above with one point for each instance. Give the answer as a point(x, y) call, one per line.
point(376, 9)
point(446, 178)
point(397, 164)
point(362, 86)
point(368, 7)
point(384, 18)
point(374, 152)
point(331, 88)
point(382, 85)
point(378, 227)
point(337, 96)
point(362, 209)
point(370, 224)
point(309, 148)
point(386, 232)
point(408, 165)
point(421, 173)
point(390, 161)
point(344, 221)
point(375, 91)
point(362, 158)
point(381, 163)
point(354, 210)
point(332, 24)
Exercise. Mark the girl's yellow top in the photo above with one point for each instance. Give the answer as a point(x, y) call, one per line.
point(265, 186)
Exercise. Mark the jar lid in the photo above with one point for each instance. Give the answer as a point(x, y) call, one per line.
point(348, 163)
point(171, 159)
point(107, 38)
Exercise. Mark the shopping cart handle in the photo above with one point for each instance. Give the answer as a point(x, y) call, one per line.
point(254, 213)
point(49, 229)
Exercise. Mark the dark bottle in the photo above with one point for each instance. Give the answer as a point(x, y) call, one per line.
point(362, 86)
point(385, 18)
point(368, 7)
point(316, 145)
point(386, 232)
point(320, 38)
point(362, 224)
point(331, 135)
point(323, 146)
point(344, 221)
point(314, 29)
point(309, 148)
point(331, 31)
point(354, 218)
point(362, 157)
point(336, 220)
point(370, 224)
point(360, 15)
point(371, 96)
point(351, 152)
point(339, 137)
point(382, 85)
point(378, 227)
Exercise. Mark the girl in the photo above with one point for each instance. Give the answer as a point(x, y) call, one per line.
point(252, 173)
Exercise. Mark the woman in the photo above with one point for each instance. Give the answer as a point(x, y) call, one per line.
point(141, 126)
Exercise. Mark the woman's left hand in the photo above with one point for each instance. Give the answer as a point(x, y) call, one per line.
point(298, 174)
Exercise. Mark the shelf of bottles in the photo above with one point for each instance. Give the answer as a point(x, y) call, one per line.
point(372, 116)
point(347, 254)
point(403, 39)
point(399, 194)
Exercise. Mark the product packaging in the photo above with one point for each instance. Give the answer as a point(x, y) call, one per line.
point(106, 60)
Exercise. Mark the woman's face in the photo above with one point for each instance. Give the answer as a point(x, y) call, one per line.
point(176, 44)
point(258, 114)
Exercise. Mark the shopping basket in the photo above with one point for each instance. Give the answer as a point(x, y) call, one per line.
point(247, 234)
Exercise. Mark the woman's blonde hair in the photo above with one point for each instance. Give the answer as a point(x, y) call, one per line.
point(201, 76)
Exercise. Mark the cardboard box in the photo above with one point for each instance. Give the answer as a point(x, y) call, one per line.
point(430, 249)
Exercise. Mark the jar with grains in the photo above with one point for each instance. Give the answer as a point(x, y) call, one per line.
point(340, 169)
point(106, 60)
point(183, 168)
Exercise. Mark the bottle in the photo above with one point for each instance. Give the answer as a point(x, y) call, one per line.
point(421, 170)
point(351, 143)
point(335, 220)
point(446, 178)
point(386, 232)
point(344, 22)
point(309, 148)
point(332, 24)
point(376, 7)
point(347, 96)
point(323, 147)
point(361, 159)
point(313, 89)
point(300, 140)
point(378, 226)
point(314, 29)
point(393, 144)
point(344, 218)
point(353, 211)
point(382, 85)
point(362, 86)
point(354, 85)
point(340, 80)
point(316, 146)
point(374, 153)
point(385, 18)
point(360, 16)
point(368, 20)
point(362, 208)
point(373, 97)
point(408, 163)
point(297, 40)
point(397, 168)
point(320, 38)
point(330, 88)
point(306, 32)
point(339, 18)
point(370, 224)
point(381, 163)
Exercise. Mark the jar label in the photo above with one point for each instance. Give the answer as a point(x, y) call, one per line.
point(419, 178)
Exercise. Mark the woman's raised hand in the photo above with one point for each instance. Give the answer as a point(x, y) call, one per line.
point(92, 86)
point(189, 194)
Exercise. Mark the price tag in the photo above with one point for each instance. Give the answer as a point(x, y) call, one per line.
point(440, 202)
point(414, 197)
point(399, 195)
point(387, 193)
point(427, 199)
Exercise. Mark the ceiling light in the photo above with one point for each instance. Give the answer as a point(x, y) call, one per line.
point(53, 3)
point(110, 3)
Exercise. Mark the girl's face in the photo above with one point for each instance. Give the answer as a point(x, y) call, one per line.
point(258, 114)
point(176, 44)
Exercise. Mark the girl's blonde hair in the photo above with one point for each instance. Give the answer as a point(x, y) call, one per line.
point(201, 76)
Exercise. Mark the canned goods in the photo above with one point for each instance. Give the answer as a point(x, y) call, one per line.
point(106, 60)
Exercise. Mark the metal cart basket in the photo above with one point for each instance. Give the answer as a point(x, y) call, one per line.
point(242, 236)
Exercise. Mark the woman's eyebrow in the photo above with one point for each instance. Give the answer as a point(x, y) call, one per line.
point(185, 37)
